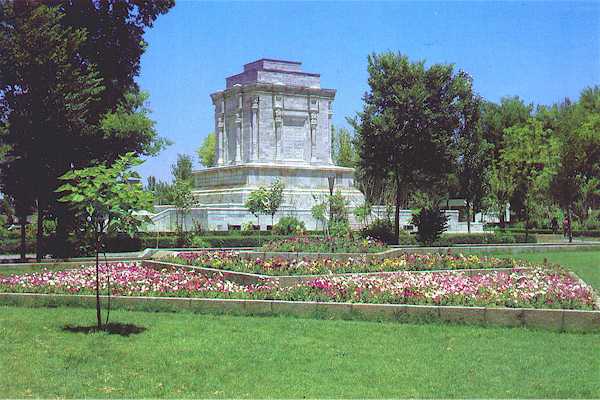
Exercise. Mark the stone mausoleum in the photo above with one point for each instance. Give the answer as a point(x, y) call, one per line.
point(272, 120)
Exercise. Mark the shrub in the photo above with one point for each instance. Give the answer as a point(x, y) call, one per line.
point(383, 230)
point(307, 244)
point(199, 242)
point(431, 223)
point(289, 225)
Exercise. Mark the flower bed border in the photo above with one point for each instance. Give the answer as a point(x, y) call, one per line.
point(249, 278)
point(549, 319)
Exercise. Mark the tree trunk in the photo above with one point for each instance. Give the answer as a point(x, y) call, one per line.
point(39, 236)
point(23, 245)
point(501, 214)
point(468, 216)
point(569, 229)
point(98, 312)
point(397, 211)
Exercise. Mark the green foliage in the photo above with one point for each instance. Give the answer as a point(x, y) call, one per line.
point(343, 151)
point(431, 223)
point(319, 213)
point(406, 129)
point(107, 198)
point(473, 159)
point(363, 213)
point(182, 169)
point(338, 207)
point(183, 200)
point(274, 197)
point(383, 230)
point(495, 118)
point(130, 123)
point(329, 244)
point(199, 242)
point(207, 151)
point(257, 201)
point(72, 101)
point(289, 225)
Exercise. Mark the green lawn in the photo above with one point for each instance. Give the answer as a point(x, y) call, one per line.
point(189, 355)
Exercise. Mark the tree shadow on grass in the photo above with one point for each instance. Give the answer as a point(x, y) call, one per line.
point(113, 328)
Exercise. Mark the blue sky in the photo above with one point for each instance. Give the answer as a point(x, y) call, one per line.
point(539, 51)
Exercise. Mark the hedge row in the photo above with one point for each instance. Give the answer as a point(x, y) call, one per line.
point(13, 246)
point(581, 233)
point(124, 243)
point(483, 238)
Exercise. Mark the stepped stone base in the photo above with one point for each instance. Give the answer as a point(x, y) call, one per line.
point(221, 193)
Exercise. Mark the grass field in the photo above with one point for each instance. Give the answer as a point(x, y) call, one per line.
point(188, 355)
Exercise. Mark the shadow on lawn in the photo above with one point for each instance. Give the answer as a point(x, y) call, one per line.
point(113, 328)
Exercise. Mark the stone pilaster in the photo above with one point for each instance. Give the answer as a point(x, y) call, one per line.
point(220, 138)
point(278, 125)
point(238, 131)
point(255, 141)
point(313, 112)
point(329, 129)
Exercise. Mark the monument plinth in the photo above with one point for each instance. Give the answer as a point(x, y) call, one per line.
point(271, 121)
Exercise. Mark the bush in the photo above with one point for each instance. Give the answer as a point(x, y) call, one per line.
point(451, 239)
point(289, 226)
point(199, 242)
point(383, 230)
point(431, 223)
point(307, 244)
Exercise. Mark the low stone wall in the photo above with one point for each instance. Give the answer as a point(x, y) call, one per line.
point(557, 320)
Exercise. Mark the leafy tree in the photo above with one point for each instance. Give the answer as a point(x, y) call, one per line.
point(319, 213)
point(182, 169)
point(162, 191)
point(106, 200)
point(207, 151)
point(501, 189)
point(576, 180)
point(473, 160)
point(431, 224)
point(183, 200)
point(74, 98)
point(406, 129)
point(344, 154)
point(46, 95)
point(495, 118)
point(363, 213)
point(531, 151)
point(257, 204)
point(274, 198)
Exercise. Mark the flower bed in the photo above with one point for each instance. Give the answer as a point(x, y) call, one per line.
point(319, 244)
point(538, 288)
point(278, 266)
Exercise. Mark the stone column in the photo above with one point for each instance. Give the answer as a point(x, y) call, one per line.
point(255, 130)
point(220, 139)
point(314, 118)
point(278, 124)
point(238, 133)
point(224, 139)
point(329, 129)
point(313, 113)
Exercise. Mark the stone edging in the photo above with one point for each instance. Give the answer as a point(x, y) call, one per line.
point(247, 278)
point(551, 319)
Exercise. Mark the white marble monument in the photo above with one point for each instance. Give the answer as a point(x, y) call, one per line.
point(271, 121)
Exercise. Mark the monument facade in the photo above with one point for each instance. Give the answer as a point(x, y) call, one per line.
point(272, 121)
